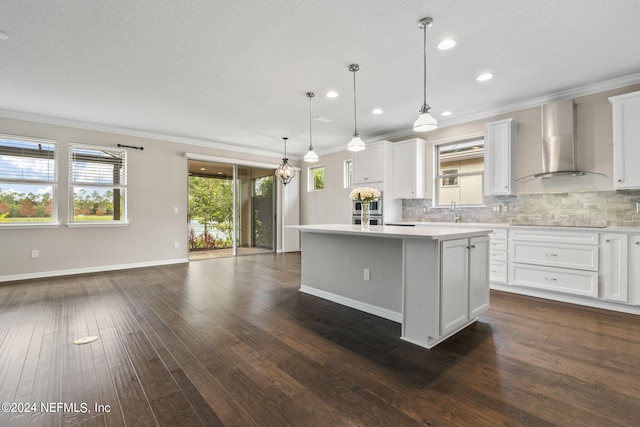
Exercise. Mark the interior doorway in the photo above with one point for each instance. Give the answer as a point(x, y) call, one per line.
point(231, 210)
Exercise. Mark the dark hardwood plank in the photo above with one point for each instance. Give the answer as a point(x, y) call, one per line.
point(231, 342)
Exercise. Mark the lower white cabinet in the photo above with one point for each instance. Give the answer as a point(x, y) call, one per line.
point(634, 257)
point(614, 267)
point(498, 255)
point(464, 282)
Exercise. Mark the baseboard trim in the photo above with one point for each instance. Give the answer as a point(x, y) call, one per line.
point(99, 269)
point(358, 305)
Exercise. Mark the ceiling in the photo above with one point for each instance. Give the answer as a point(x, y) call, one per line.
point(236, 72)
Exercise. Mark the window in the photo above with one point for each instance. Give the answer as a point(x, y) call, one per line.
point(28, 181)
point(348, 173)
point(97, 184)
point(460, 173)
point(316, 178)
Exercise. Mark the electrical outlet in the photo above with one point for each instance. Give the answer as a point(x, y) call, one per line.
point(367, 274)
point(175, 210)
point(35, 253)
point(637, 207)
point(176, 245)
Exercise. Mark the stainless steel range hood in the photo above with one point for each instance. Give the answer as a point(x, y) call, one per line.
point(558, 141)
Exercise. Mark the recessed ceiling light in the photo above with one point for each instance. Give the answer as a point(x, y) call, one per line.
point(446, 113)
point(484, 77)
point(332, 94)
point(203, 169)
point(377, 111)
point(3, 35)
point(446, 44)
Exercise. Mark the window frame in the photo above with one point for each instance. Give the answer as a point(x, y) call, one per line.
point(52, 182)
point(73, 183)
point(347, 173)
point(438, 179)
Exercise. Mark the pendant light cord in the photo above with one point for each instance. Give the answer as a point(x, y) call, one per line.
point(310, 95)
point(425, 66)
point(353, 68)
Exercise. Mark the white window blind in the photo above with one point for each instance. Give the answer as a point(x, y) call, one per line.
point(27, 160)
point(97, 184)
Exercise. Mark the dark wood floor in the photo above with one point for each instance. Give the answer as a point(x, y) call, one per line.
point(231, 342)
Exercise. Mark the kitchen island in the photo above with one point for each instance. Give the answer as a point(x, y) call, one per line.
point(432, 280)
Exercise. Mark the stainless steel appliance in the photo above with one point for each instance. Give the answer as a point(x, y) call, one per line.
point(375, 212)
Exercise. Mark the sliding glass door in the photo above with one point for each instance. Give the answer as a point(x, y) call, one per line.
point(231, 210)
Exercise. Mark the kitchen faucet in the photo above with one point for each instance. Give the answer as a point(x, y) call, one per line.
point(456, 218)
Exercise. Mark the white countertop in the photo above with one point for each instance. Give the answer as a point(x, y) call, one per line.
point(394, 231)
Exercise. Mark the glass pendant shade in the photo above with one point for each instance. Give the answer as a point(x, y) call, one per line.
point(311, 156)
point(356, 144)
point(285, 171)
point(425, 122)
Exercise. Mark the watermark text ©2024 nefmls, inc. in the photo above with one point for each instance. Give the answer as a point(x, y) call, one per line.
point(54, 407)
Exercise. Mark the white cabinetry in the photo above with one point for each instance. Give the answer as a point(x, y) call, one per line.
point(561, 261)
point(368, 165)
point(464, 282)
point(634, 257)
point(409, 169)
point(499, 147)
point(626, 140)
point(498, 256)
point(613, 267)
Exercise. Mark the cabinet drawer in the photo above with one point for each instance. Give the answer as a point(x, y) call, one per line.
point(556, 236)
point(500, 233)
point(498, 271)
point(555, 255)
point(574, 282)
point(497, 255)
point(500, 245)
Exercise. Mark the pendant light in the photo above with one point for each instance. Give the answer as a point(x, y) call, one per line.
point(356, 144)
point(426, 121)
point(311, 155)
point(285, 171)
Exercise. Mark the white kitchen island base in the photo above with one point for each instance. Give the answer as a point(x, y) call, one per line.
point(435, 282)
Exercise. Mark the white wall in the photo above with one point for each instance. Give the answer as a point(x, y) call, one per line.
point(157, 183)
point(332, 204)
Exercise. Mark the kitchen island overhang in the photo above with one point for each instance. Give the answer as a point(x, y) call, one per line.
point(434, 281)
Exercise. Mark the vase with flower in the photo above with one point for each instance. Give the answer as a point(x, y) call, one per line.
point(365, 195)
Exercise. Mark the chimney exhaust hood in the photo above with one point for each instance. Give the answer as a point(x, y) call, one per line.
point(558, 142)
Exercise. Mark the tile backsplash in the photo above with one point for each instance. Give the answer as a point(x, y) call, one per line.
point(583, 209)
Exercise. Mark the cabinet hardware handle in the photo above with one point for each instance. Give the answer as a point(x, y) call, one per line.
point(551, 279)
point(619, 180)
point(493, 271)
point(471, 247)
point(551, 254)
point(608, 240)
point(637, 243)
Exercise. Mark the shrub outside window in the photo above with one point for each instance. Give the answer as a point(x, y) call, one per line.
point(28, 181)
point(316, 178)
point(97, 184)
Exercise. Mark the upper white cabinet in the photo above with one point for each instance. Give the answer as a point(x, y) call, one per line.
point(409, 174)
point(499, 147)
point(626, 140)
point(368, 165)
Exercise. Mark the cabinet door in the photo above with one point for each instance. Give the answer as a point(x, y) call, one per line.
point(635, 269)
point(368, 165)
point(626, 140)
point(478, 276)
point(454, 285)
point(498, 146)
point(613, 267)
point(409, 169)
